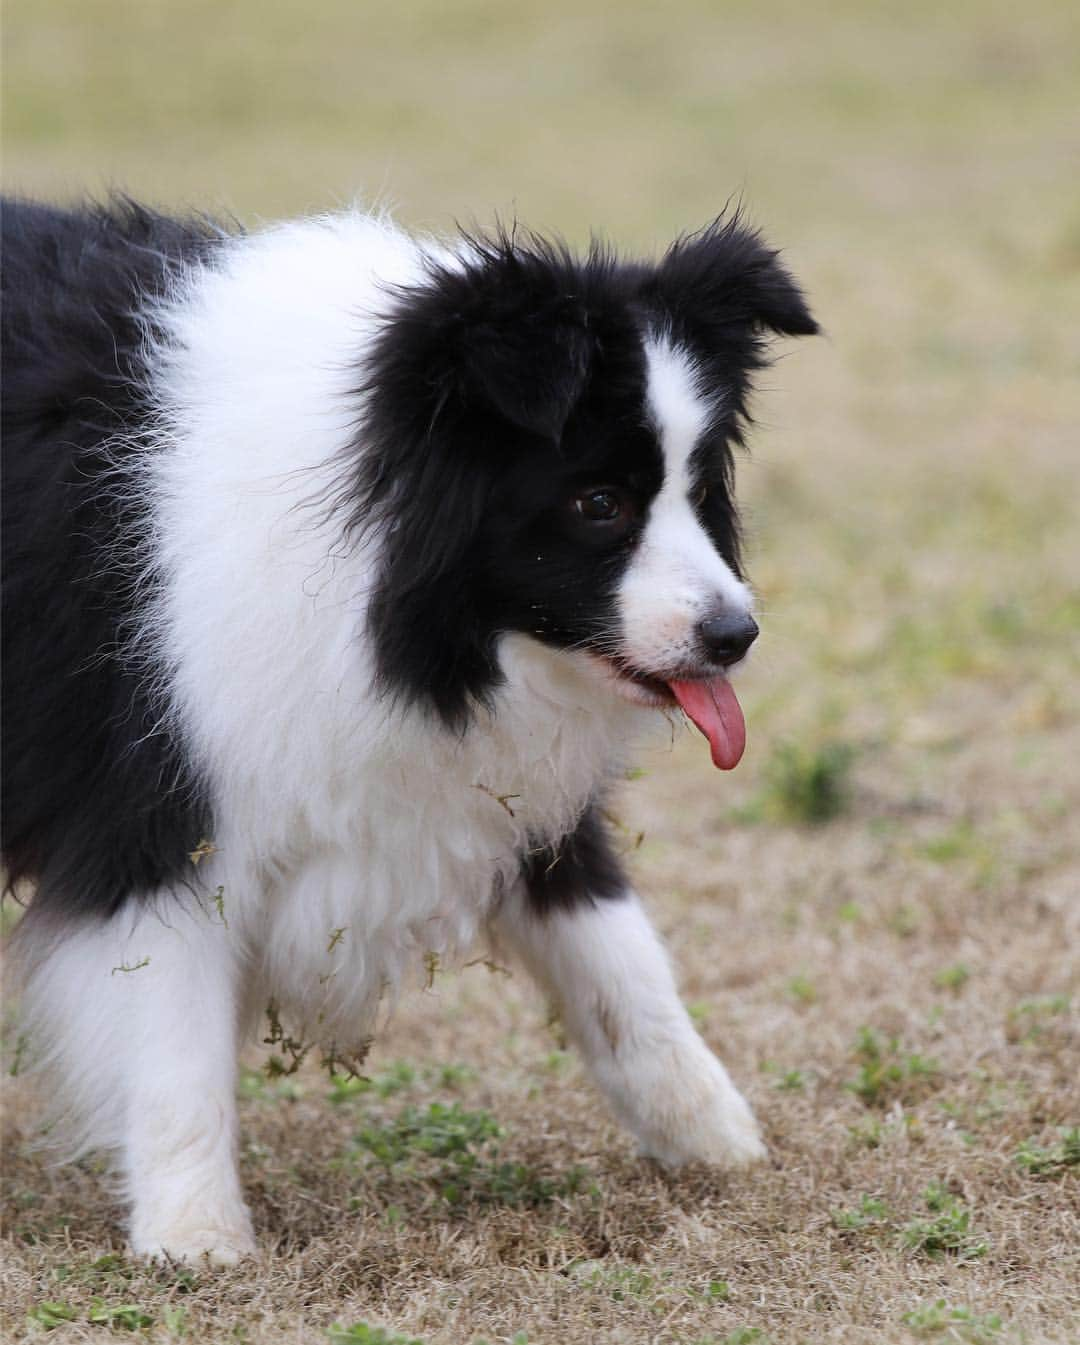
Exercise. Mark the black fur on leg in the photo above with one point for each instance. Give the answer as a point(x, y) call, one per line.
point(581, 868)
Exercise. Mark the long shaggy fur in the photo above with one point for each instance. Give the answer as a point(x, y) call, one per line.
point(342, 572)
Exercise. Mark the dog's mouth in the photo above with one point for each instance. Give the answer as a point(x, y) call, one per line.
point(709, 702)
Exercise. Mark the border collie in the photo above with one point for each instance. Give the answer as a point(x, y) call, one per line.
point(342, 570)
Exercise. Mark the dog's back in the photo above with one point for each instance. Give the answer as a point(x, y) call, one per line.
point(88, 802)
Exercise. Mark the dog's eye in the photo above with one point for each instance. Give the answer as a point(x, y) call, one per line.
point(600, 506)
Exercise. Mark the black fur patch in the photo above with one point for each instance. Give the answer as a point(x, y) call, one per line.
point(582, 867)
point(500, 387)
point(98, 802)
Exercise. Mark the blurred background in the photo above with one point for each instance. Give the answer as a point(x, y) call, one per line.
point(899, 849)
point(912, 495)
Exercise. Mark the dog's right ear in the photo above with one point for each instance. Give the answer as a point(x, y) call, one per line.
point(503, 328)
point(725, 276)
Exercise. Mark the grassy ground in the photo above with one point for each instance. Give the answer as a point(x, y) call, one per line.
point(878, 918)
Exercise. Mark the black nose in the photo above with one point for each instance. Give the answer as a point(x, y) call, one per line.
point(727, 637)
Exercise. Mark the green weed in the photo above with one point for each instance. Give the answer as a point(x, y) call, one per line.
point(116, 1316)
point(1035, 1018)
point(963, 844)
point(869, 1213)
point(802, 990)
point(347, 1087)
point(110, 1270)
point(399, 1077)
point(119, 1316)
point(947, 1231)
point(256, 1085)
point(868, 1134)
point(885, 1074)
point(958, 842)
point(360, 1333)
point(1051, 1160)
point(810, 785)
point(953, 978)
point(459, 1152)
point(175, 1320)
point(656, 1291)
point(621, 1283)
point(453, 1076)
point(51, 1313)
point(439, 1131)
point(952, 1324)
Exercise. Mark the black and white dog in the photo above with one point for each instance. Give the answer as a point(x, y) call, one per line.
point(342, 570)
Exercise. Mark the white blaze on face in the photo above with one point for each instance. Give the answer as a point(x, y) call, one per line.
point(676, 578)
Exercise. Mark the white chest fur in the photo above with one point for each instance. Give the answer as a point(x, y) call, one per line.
point(356, 843)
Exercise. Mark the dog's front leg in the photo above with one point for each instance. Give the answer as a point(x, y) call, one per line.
point(139, 1015)
point(606, 972)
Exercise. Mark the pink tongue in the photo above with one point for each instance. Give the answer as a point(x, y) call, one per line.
point(713, 708)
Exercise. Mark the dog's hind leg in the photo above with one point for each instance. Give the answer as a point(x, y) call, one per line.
point(610, 981)
point(138, 1015)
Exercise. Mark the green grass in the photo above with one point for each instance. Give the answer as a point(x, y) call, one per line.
point(805, 786)
point(802, 989)
point(459, 1153)
point(940, 1321)
point(347, 1088)
point(886, 1073)
point(50, 1314)
point(944, 1230)
point(947, 1230)
point(360, 1333)
point(953, 977)
point(871, 1212)
point(439, 1131)
point(1051, 1160)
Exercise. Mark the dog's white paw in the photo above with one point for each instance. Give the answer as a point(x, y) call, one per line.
point(689, 1111)
point(195, 1246)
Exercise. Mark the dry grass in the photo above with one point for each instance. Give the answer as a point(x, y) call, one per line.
point(915, 511)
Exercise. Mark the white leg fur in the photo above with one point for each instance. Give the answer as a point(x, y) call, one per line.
point(610, 980)
point(139, 1015)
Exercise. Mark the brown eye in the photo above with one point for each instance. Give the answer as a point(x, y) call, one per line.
point(599, 506)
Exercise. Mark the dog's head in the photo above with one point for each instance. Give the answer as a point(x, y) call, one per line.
point(547, 448)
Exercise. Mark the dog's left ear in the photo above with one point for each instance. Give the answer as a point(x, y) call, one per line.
point(526, 357)
point(725, 276)
point(503, 328)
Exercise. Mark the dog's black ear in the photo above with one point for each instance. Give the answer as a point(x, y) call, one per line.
point(493, 341)
point(724, 275)
point(503, 328)
point(531, 366)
